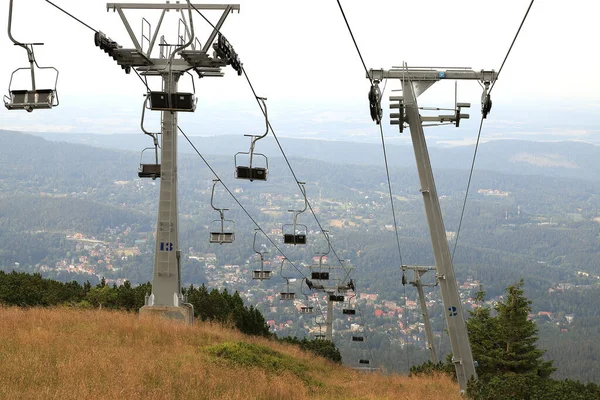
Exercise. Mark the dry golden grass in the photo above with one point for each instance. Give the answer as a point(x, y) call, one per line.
point(73, 354)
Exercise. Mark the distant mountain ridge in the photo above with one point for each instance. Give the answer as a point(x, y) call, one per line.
point(557, 159)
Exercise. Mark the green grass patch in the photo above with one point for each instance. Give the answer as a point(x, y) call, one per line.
point(256, 356)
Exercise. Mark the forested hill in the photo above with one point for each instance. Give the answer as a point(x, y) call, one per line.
point(557, 159)
point(76, 212)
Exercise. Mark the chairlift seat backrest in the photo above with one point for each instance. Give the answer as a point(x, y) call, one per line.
point(358, 339)
point(159, 101)
point(306, 310)
point(222, 237)
point(337, 298)
point(289, 238)
point(363, 361)
point(320, 276)
point(258, 173)
point(261, 275)
point(149, 171)
point(31, 99)
point(349, 311)
point(287, 295)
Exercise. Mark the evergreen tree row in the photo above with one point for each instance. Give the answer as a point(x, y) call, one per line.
point(31, 290)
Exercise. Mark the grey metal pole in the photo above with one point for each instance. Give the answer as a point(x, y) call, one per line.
point(430, 343)
point(329, 332)
point(459, 339)
point(165, 281)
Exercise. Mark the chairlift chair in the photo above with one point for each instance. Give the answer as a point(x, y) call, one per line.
point(358, 339)
point(34, 98)
point(336, 298)
point(307, 309)
point(222, 230)
point(178, 101)
point(287, 295)
point(149, 170)
point(320, 321)
point(348, 309)
point(260, 274)
point(316, 271)
point(363, 361)
point(164, 101)
point(296, 233)
point(324, 276)
point(252, 172)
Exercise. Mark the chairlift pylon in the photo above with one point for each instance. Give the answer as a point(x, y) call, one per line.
point(252, 172)
point(222, 230)
point(260, 274)
point(287, 295)
point(297, 233)
point(34, 98)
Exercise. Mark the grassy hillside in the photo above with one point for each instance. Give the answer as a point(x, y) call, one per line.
point(74, 354)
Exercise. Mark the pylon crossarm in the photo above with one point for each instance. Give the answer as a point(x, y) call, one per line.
point(432, 74)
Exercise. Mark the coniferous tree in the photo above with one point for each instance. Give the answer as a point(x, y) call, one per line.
point(518, 336)
point(510, 365)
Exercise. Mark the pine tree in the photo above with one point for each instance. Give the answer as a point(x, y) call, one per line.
point(506, 342)
point(519, 336)
point(484, 337)
point(510, 365)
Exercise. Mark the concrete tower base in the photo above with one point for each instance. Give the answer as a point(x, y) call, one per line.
point(185, 313)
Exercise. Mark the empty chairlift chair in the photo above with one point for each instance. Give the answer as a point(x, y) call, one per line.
point(177, 101)
point(260, 274)
point(287, 295)
point(307, 308)
point(296, 233)
point(319, 320)
point(348, 309)
point(221, 230)
point(164, 101)
point(34, 98)
point(251, 171)
point(149, 170)
point(320, 272)
point(337, 298)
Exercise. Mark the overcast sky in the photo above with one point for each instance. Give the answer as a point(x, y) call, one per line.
point(300, 55)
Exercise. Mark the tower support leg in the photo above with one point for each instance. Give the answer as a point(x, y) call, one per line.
point(166, 298)
point(457, 329)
